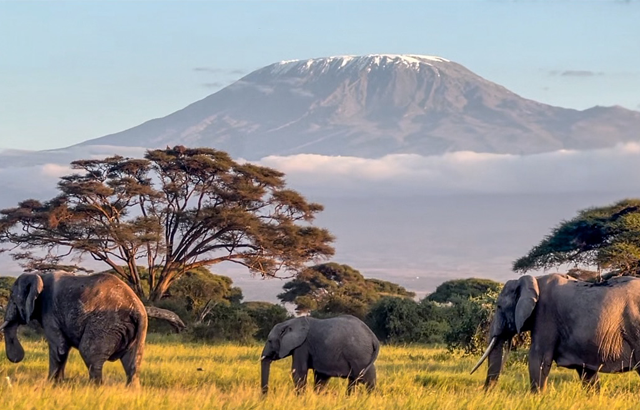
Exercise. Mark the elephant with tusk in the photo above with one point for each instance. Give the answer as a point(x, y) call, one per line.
point(97, 314)
point(342, 346)
point(589, 327)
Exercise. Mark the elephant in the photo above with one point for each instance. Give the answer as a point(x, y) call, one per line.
point(97, 314)
point(341, 346)
point(585, 326)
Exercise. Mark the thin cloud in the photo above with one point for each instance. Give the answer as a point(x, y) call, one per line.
point(213, 70)
point(56, 170)
point(302, 92)
point(575, 73)
point(293, 81)
point(265, 89)
point(218, 70)
point(215, 84)
point(580, 73)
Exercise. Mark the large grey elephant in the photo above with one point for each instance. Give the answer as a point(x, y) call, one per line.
point(342, 346)
point(589, 327)
point(97, 314)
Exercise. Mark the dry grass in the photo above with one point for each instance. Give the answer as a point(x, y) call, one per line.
point(412, 377)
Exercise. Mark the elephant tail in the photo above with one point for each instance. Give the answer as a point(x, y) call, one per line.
point(140, 321)
point(132, 358)
point(133, 338)
point(374, 356)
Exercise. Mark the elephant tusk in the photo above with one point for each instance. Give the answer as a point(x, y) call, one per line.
point(486, 354)
point(262, 358)
point(2, 326)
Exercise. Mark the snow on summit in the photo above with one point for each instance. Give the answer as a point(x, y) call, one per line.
point(350, 62)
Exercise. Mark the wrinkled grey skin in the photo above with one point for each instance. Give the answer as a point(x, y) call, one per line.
point(337, 347)
point(97, 314)
point(589, 327)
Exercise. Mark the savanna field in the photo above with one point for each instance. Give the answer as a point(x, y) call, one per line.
point(409, 377)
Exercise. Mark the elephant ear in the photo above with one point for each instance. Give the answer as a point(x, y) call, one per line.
point(31, 285)
point(529, 293)
point(294, 334)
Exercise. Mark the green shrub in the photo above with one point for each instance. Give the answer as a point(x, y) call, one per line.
point(469, 323)
point(6, 283)
point(461, 290)
point(225, 322)
point(402, 320)
point(265, 315)
point(395, 320)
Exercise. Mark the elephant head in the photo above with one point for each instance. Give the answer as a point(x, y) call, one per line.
point(283, 339)
point(20, 311)
point(515, 306)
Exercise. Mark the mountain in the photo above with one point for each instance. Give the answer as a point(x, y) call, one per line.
point(374, 105)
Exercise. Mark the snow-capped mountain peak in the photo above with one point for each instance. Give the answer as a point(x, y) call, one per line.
point(375, 105)
point(351, 62)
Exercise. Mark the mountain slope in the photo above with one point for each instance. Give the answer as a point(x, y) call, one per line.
point(370, 106)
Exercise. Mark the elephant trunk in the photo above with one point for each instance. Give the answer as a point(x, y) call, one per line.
point(13, 348)
point(495, 364)
point(266, 367)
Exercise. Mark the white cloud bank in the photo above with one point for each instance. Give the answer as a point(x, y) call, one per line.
point(614, 169)
point(34, 174)
point(610, 169)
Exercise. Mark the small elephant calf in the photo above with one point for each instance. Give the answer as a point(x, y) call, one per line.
point(342, 346)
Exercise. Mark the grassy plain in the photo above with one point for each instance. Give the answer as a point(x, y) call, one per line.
point(410, 377)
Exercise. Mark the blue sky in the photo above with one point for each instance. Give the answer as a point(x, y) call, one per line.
point(71, 71)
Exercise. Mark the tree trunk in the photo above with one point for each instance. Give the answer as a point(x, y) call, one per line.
point(135, 278)
point(158, 292)
point(163, 283)
point(164, 314)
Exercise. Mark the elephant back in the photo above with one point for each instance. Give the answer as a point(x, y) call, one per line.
point(342, 346)
point(96, 302)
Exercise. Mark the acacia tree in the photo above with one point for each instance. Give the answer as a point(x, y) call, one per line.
point(604, 237)
point(176, 210)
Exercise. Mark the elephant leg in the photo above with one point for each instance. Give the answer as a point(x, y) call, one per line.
point(58, 355)
point(590, 379)
point(539, 368)
point(369, 378)
point(131, 364)
point(299, 370)
point(320, 381)
point(95, 372)
point(95, 352)
point(351, 386)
